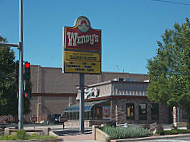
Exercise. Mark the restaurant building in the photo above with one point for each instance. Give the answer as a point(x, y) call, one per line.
point(108, 96)
point(123, 100)
point(53, 91)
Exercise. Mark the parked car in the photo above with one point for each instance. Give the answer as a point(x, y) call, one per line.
point(53, 118)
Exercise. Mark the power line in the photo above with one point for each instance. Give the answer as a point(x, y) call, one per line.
point(172, 2)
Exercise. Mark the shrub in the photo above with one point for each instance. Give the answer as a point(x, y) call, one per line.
point(130, 132)
point(159, 127)
point(160, 132)
point(146, 126)
point(173, 132)
point(21, 134)
point(176, 131)
point(182, 131)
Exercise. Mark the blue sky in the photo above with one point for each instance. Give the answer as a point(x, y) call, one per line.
point(130, 28)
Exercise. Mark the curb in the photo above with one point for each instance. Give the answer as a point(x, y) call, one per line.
point(51, 133)
point(151, 138)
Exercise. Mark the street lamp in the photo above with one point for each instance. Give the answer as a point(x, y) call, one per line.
point(20, 47)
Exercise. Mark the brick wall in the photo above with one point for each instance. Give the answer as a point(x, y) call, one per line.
point(41, 106)
point(52, 80)
point(118, 110)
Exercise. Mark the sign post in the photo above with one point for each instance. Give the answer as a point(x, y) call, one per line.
point(33, 119)
point(81, 107)
point(82, 54)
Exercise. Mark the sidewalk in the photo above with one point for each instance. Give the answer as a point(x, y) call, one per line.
point(152, 138)
point(73, 135)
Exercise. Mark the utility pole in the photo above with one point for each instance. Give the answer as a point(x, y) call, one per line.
point(20, 47)
point(20, 100)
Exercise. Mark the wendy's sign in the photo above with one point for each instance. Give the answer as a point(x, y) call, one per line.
point(82, 36)
point(82, 48)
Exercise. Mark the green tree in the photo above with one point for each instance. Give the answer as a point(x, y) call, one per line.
point(169, 70)
point(9, 82)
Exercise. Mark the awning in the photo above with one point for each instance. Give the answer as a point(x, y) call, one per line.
point(87, 106)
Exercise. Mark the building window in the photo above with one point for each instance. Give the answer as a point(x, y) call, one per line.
point(142, 111)
point(86, 115)
point(130, 111)
point(106, 112)
point(154, 111)
point(98, 112)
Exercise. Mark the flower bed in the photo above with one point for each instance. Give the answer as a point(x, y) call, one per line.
point(21, 135)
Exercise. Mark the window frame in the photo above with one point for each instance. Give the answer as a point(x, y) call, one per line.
point(141, 115)
point(133, 107)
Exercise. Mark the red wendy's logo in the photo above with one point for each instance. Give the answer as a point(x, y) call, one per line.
point(82, 48)
point(83, 24)
point(82, 36)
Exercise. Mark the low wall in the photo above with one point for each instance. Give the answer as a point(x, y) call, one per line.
point(1, 131)
point(87, 123)
point(75, 123)
point(181, 125)
point(98, 134)
point(44, 131)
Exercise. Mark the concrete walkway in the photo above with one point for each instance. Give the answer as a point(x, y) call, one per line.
point(165, 138)
point(73, 135)
point(68, 134)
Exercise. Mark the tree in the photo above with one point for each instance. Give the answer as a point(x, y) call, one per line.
point(9, 82)
point(169, 70)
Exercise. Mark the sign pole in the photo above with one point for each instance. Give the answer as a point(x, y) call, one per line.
point(82, 54)
point(20, 99)
point(81, 111)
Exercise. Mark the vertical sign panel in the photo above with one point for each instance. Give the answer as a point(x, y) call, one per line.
point(82, 48)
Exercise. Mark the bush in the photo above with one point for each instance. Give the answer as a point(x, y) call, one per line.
point(146, 126)
point(176, 131)
point(21, 134)
point(173, 132)
point(183, 131)
point(159, 127)
point(130, 132)
point(160, 132)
